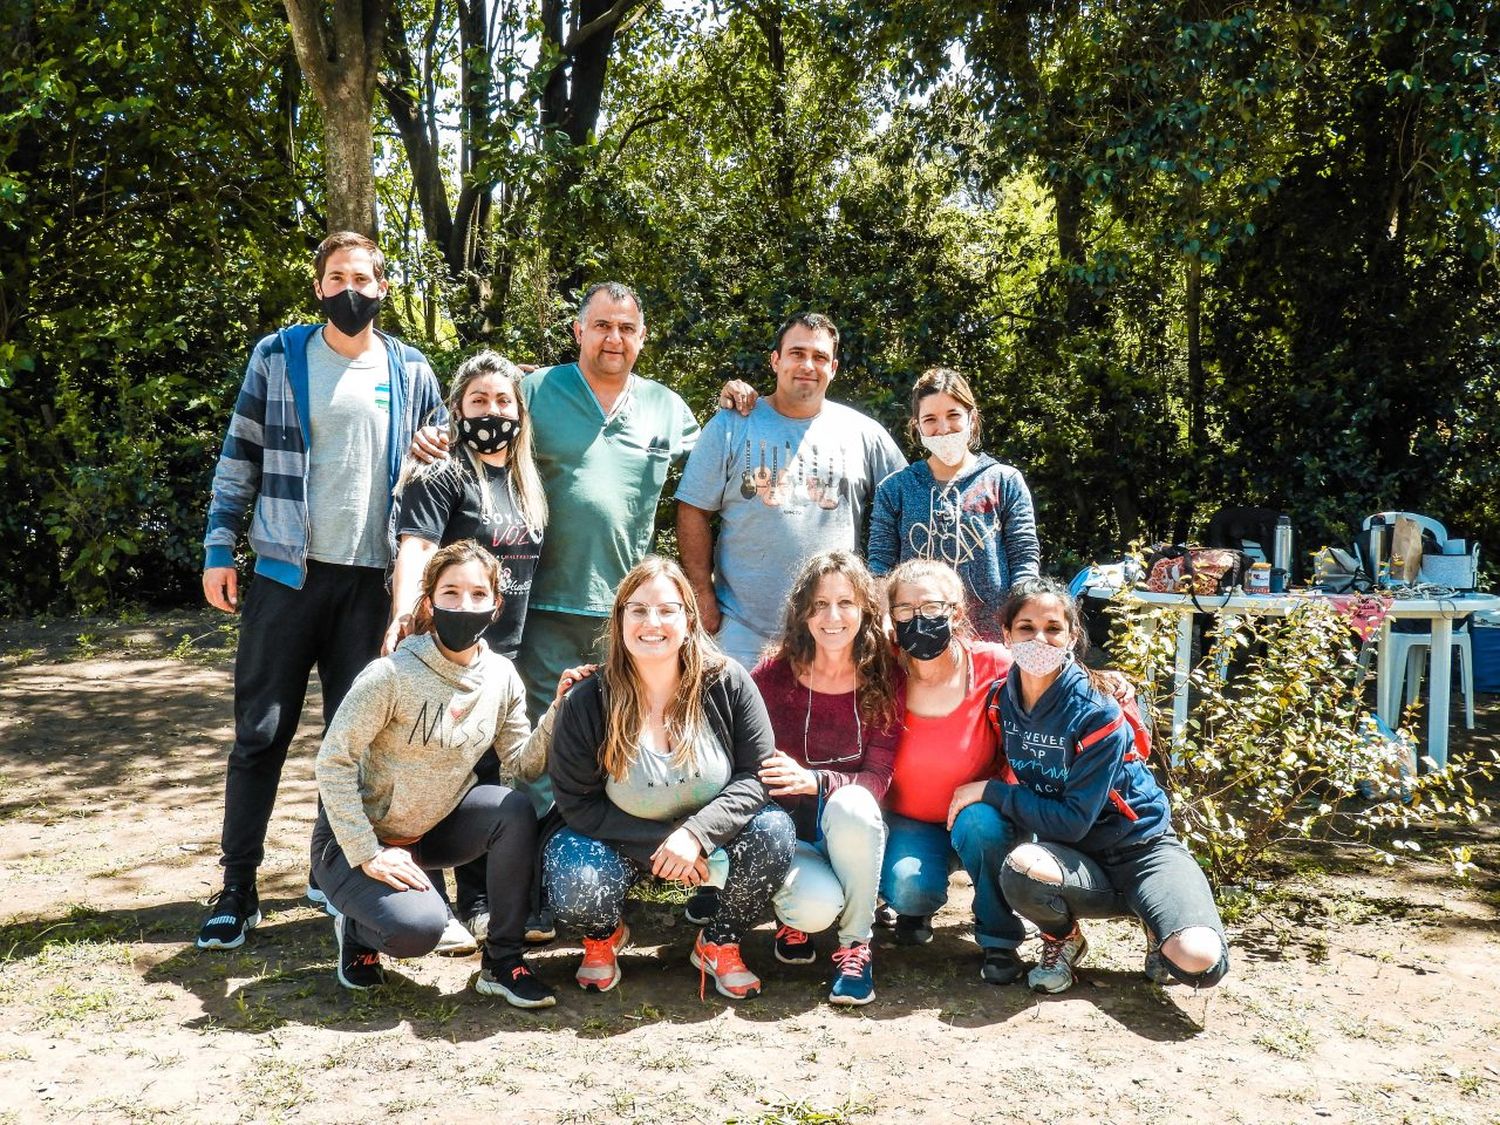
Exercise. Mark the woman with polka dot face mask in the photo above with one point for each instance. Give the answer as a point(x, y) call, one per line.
point(487, 490)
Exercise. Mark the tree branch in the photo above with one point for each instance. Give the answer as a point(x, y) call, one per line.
point(581, 35)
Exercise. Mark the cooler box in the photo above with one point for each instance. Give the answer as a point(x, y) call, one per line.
point(1485, 641)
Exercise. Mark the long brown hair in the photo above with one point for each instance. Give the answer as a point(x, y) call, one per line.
point(915, 571)
point(874, 665)
point(698, 661)
point(454, 554)
point(525, 482)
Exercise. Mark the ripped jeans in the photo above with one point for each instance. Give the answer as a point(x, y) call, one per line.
point(1158, 882)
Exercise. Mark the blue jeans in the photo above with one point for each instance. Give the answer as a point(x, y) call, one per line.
point(919, 857)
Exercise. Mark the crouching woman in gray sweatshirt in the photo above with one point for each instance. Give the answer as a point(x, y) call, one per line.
point(399, 792)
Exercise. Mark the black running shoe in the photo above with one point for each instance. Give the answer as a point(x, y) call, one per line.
point(513, 979)
point(359, 965)
point(1002, 966)
point(233, 913)
point(912, 929)
point(541, 927)
point(703, 906)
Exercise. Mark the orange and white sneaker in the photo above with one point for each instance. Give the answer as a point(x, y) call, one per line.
point(723, 962)
point(599, 971)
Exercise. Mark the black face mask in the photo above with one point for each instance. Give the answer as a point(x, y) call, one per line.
point(488, 434)
point(924, 638)
point(460, 629)
point(350, 310)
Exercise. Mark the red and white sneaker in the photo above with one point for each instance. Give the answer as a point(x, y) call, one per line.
point(723, 962)
point(599, 971)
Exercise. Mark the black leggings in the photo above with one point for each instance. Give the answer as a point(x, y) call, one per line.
point(1158, 882)
point(492, 821)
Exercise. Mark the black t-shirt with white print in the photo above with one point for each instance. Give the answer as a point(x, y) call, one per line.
point(443, 507)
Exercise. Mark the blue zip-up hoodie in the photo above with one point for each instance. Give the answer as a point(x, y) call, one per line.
point(981, 523)
point(264, 459)
point(1074, 783)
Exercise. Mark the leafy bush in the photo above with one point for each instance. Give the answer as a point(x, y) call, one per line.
point(1280, 743)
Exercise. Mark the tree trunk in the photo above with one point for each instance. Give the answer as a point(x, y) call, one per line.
point(341, 58)
point(349, 153)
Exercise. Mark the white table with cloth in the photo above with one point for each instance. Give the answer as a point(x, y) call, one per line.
point(1440, 611)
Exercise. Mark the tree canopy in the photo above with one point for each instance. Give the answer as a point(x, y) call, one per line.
point(1190, 255)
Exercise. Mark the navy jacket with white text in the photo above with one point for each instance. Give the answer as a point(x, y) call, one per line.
point(1077, 779)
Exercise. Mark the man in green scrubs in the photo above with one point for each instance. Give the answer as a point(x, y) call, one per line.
point(605, 438)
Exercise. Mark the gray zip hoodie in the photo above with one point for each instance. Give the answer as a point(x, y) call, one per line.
point(399, 755)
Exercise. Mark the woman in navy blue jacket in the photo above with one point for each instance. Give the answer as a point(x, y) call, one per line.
point(1105, 845)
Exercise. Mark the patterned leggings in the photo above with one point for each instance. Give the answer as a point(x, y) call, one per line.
point(586, 879)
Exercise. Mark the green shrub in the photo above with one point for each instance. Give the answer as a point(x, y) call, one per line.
point(1281, 745)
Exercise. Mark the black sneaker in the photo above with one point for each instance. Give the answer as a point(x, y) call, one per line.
point(912, 929)
point(703, 906)
point(513, 979)
point(793, 947)
point(1002, 966)
point(359, 965)
point(234, 912)
point(885, 917)
point(541, 927)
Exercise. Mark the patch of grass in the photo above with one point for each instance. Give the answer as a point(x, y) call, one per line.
point(81, 924)
point(660, 892)
point(1289, 1040)
point(209, 647)
point(21, 654)
point(276, 1084)
point(85, 646)
point(804, 1112)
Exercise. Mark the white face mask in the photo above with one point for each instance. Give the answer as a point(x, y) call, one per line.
point(1038, 658)
point(950, 449)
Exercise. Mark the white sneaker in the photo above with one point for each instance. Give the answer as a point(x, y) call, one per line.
point(1059, 956)
point(478, 924)
point(456, 940)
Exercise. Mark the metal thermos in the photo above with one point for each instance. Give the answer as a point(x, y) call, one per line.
point(1281, 553)
point(1375, 549)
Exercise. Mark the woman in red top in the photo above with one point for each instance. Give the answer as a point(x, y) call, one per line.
point(947, 741)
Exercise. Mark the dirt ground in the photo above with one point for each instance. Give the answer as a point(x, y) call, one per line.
point(1361, 995)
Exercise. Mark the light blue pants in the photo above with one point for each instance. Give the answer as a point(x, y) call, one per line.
point(837, 879)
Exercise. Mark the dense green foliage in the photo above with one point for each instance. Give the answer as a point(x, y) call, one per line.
point(1193, 254)
point(1285, 749)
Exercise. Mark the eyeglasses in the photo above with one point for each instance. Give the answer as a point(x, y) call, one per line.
point(904, 612)
point(640, 612)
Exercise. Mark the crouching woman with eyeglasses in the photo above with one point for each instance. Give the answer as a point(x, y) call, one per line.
point(947, 742)
point(655, 766)
point(832, 691)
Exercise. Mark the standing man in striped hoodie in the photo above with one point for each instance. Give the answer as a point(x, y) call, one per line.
point(313, 450)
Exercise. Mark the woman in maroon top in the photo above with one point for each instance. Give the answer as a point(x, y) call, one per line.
point(835, 704)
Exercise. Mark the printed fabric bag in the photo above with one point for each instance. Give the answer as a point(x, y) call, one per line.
point(1200, 571)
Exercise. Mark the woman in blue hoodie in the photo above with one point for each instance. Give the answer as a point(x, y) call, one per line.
point(959, 506)
point(1105, 846)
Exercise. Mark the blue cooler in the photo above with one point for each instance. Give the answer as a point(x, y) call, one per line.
point(1485, 640)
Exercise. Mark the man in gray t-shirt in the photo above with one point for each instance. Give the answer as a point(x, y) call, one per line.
point(793, 477)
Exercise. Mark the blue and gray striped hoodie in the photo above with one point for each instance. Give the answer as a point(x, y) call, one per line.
point(264, 459)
